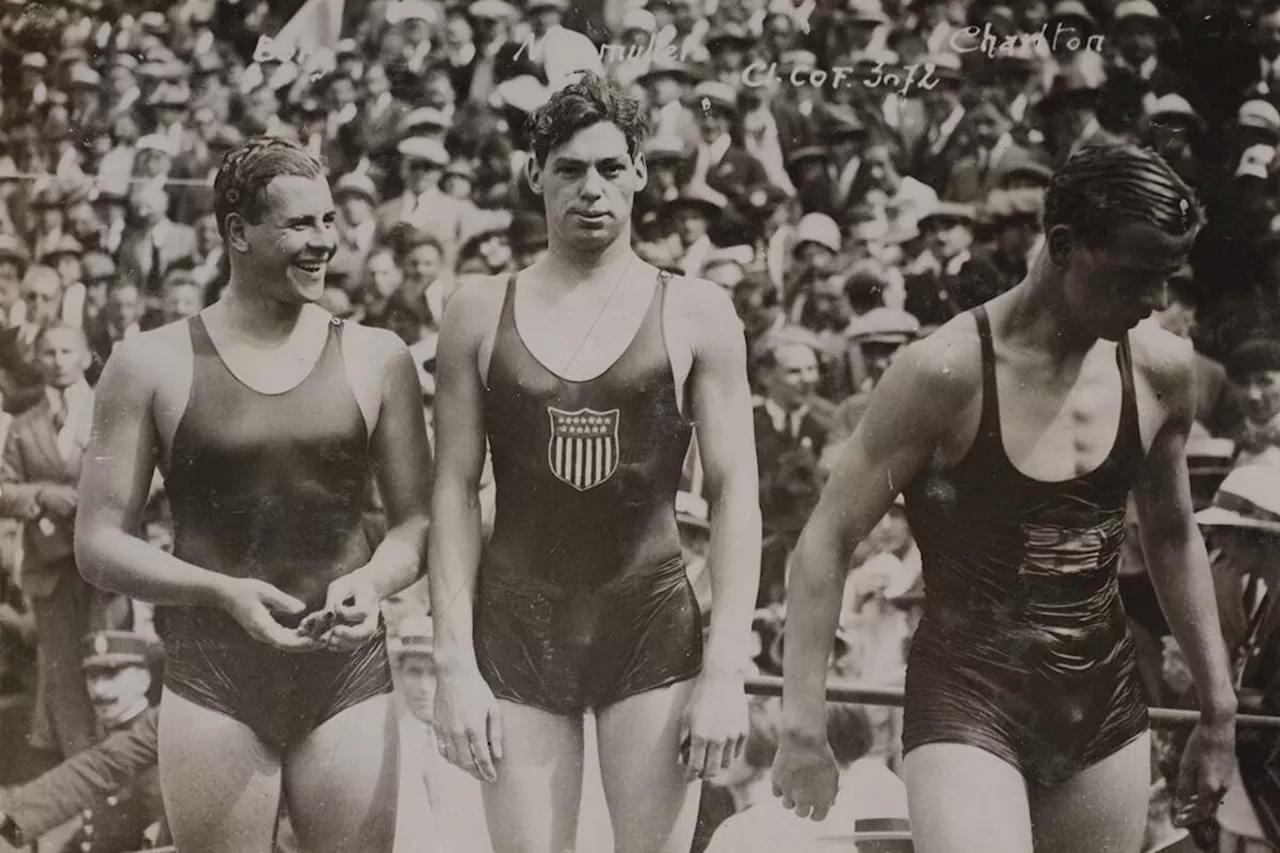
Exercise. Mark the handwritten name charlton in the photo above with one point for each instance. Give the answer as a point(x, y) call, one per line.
point(974, 39)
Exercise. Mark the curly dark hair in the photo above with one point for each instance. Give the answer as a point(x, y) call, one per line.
point(587, 101)
point(241, 183)
point(1102, 187)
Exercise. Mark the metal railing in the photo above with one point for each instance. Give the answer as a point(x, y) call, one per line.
point(860, 693)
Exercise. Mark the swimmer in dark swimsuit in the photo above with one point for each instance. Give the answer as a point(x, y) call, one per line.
point(586, 373)
point(1016, 433)
point(268, 418)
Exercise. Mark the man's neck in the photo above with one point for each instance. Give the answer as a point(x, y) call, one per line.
point(1038, 316)
point(254, 316)
point(570, 265)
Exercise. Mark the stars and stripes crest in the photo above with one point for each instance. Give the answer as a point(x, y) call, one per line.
point(583, 449)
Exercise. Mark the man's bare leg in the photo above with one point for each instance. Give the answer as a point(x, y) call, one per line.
point(1103, 809)
point(963, 799)
point(533, 806)
point(221, 785)
point(342, 781)
point(652, 807)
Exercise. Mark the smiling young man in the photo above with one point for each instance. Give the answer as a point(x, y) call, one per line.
point(1016, 433)
point(267, 417)
point(587, 373)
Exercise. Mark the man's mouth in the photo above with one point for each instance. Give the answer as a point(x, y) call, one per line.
point(313, 267)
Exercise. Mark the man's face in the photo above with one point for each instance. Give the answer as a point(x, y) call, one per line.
point(420, 175)
point(207, 235)
point(878, 355)
point(830, 303)
point(691, 225)
point(384, 274)
point(43, 295)
point(949, 238)
point(588, 185)
point(152, 163)
point(10, 282)
point(68, 267)
point(1261, 391)
point(116, 691)
point(1267, 33)
point(63, 358)
point(356, 209)
point(816, 256)
point(1137, 44)
point(879, 167)
point(342, 92)
point(124, 306)
point(375, 82)
point(182, 300)
point(422, 265)
point(1110, 289)
point(82, 222)
point(795, 376)
point(418, 681)
point(292, 245)
point(713, 123)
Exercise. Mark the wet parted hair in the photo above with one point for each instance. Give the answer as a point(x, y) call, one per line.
point(1103, 187)
point(242, 179)
point(586, 102)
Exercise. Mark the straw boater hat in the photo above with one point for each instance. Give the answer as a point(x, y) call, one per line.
point(1249, 498)
point(414, 635)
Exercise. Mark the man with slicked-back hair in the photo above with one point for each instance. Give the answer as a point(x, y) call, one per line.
point(1016, 434)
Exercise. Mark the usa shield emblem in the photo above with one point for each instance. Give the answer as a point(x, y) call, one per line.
point(583, 449)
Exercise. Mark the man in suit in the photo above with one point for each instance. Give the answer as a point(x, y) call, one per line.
point(21, 379)
point(155, 242)
point(791, 430)
point(105, 799)
point(38, 476)
point(722, 163)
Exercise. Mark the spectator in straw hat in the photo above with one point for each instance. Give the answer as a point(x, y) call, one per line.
point(357, 201)
point(695, 212)
point(1173, 128)
point(1138, 31)
point(1244, 521)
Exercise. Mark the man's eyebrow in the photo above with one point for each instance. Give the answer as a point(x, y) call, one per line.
point(578, 161)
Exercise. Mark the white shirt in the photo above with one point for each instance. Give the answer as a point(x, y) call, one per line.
point(867, 789)
point(79, 415)
point(783, 421)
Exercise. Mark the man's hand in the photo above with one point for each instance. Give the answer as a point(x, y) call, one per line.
point(713, 730)
point(356, 604)
point(59, 501)
point(805, 774)
point(468, 723)
point(251, 603)
point(1208, 762)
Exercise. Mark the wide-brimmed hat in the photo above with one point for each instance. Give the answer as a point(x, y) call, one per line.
point(1249, 497)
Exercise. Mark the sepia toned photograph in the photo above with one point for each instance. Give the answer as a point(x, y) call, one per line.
point(639, 426)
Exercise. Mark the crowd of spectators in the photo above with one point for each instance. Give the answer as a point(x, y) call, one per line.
point(853, 172)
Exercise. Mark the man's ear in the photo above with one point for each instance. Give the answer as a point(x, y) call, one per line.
point(1062, 241)
point(533, 172)
point(236, 237)
point(642, 171)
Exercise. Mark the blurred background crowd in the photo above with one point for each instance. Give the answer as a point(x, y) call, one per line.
point(853, 172)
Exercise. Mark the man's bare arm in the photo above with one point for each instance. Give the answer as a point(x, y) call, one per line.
point(1176, 558)
point(114, 481)
point(455, 502)
point(911, 410)
point(721, 401)
point(402, 459)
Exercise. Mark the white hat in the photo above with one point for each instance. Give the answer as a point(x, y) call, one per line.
point(523, 93)
point(640, 19)
point(566, 53)
point(156, 142)
point(1260, 114)
point(1248, 497)
point(424, 148)
point(1135, 10)
point(818, 228)
point(413, 634)
point(1174, 105)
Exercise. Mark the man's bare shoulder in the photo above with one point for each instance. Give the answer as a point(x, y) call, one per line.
point(148, 358)
point(473, 309)
point(1165, 360)
point(372, 343)
point(945, 366)
point(706, 306)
